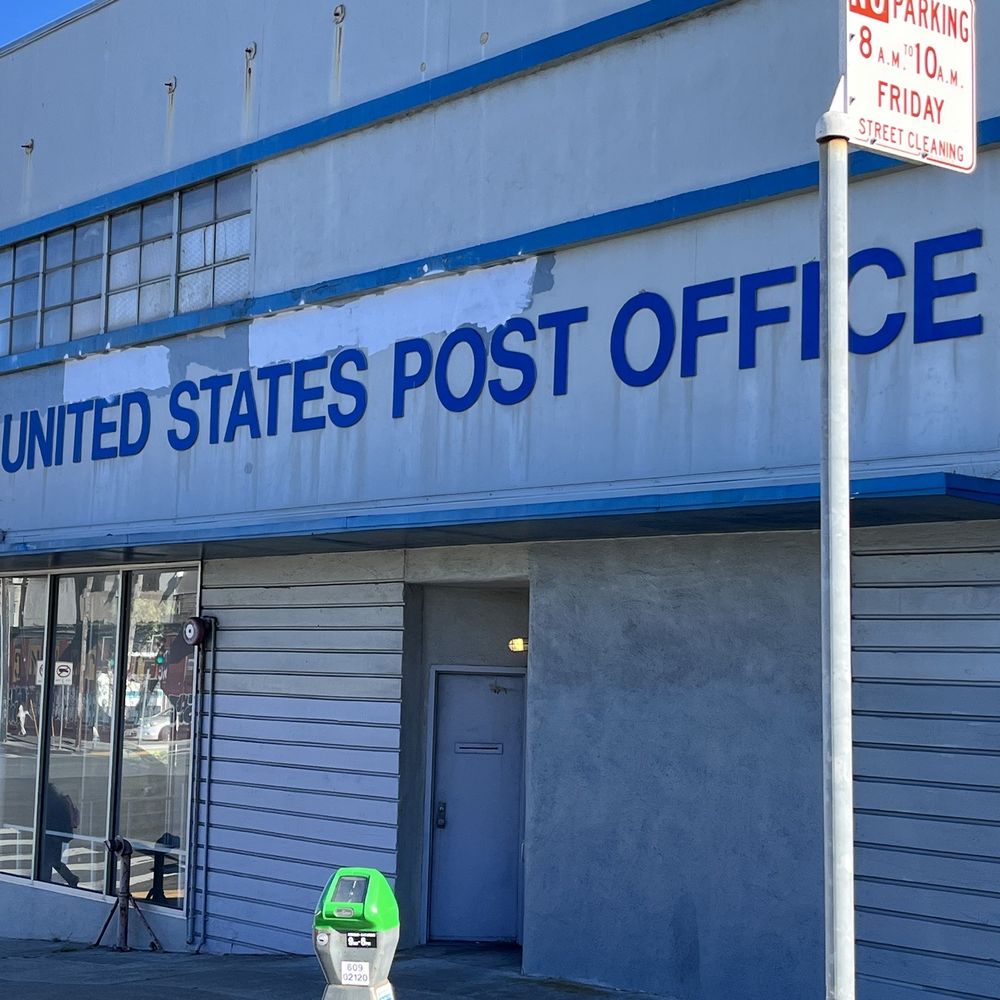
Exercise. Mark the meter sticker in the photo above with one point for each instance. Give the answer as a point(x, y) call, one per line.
point(361, 940)
point(385, 994)
point(355, 973)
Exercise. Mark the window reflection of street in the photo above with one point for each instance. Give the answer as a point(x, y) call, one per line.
point(23, 602)
point(104, 716)
point(156, 750)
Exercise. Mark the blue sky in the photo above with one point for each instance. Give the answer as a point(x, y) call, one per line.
point(19, 17)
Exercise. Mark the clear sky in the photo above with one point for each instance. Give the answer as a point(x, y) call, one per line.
point(19, 17)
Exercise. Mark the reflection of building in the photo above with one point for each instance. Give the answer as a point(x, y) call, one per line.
point(500, 323)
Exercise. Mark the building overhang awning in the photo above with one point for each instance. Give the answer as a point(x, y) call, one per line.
point(891, 500)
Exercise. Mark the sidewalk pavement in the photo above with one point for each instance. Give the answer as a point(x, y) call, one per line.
point(41, 970)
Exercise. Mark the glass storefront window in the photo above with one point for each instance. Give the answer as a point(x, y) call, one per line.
point(97, 691)
point(23, 607)
point(83, 664)
point(156, 753)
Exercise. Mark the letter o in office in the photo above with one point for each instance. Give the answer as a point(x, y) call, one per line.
point(463, 335)
point(660, 308)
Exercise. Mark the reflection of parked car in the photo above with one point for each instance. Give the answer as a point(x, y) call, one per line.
point(157, 728)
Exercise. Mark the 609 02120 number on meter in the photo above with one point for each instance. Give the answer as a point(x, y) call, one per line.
point(355, 973)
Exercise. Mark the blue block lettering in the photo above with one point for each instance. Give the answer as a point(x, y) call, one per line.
point(463, 335)
point(660, 308)
point(185, 414)
point(302, 394)
point(513, 360)
point(403, 383)
point(892, 267)
point(692, 327)
point(927, 289)
point(752, 317)
point(339, 382)
point(561, 322)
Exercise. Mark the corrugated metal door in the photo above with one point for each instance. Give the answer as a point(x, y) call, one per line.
point(927, 767)
point(305, 745)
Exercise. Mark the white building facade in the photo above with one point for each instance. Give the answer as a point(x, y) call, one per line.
point(383, 335)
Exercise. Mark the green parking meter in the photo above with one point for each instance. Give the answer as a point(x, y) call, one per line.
point(355, 933)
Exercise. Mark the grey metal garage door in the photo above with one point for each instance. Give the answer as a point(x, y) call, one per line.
point(927, 768)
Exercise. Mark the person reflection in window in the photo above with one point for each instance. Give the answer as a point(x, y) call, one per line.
point(62, 816)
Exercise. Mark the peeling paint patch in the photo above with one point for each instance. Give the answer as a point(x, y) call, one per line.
point(111, 374)
point(483, 298)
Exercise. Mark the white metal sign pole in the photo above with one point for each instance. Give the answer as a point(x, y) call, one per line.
point(835, 529)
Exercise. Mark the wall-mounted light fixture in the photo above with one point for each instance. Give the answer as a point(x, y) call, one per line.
point(519, 645)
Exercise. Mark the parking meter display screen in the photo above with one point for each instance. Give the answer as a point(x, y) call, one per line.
point(351, 890)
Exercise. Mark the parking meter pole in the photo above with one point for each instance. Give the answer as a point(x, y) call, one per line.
point(835, 523)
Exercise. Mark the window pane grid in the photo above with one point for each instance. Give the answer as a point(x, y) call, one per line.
point(177, 253)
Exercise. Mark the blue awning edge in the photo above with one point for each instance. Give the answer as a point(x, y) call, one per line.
point(938, 496)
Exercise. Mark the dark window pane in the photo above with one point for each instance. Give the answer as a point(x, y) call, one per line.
point(59, 248)
point(55, 326)
point(6, 265)
point(6, 291)
point(90, 240)
point(87, 280)
point(157, 218)
point(234, 195)
point(26, 296)
point(23, 603)
point(159, 691)
point(4, 338)
point(58, 286)
point(24, 334)
point(125, 229)
point(84, 654)
point(27, 258)
point(197, 206)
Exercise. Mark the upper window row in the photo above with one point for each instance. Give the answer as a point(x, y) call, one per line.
point(186, 251)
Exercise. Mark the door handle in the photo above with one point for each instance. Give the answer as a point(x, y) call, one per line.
point(442, 815)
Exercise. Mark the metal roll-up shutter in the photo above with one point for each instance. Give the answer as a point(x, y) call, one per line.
point(304, 739)
point(927, 770)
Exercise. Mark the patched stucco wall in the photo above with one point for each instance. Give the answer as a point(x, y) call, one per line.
point(674, 774)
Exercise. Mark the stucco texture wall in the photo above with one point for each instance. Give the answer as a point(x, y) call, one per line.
point(674, 772)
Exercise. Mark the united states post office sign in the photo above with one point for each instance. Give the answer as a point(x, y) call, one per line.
point(682, 356)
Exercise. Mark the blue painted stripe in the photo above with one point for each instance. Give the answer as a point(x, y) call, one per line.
point(899, 488)
point(619, 222)
point(497, 69)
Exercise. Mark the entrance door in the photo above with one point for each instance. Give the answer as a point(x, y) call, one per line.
point(476, 808)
